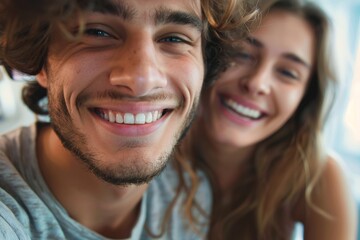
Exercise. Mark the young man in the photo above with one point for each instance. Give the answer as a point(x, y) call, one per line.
point(122, 79)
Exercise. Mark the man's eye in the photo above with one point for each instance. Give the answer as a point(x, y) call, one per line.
point(96, 32)
point(244, 56)
point(173, 39)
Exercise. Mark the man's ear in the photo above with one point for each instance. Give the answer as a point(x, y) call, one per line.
point(42, 79)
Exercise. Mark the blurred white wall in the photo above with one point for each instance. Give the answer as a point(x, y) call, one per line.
point(13, 113)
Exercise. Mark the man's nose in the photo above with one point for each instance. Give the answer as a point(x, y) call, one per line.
point(138, 68)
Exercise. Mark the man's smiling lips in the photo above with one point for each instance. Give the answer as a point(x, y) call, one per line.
point(132, 118)
point(129, 118)
point(131, 124)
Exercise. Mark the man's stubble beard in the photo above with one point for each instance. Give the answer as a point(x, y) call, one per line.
point(75, 141)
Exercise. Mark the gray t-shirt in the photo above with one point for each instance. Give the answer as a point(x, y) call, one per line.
point(28, 210)
point(160, 194)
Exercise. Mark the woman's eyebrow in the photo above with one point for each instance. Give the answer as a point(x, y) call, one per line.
point(290, 56)
point(293, 57)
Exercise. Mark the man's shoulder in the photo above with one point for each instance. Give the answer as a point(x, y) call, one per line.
point(23, 215)
point(16, 147)
point(10, 227)
point(17, 138)
point(23, 212)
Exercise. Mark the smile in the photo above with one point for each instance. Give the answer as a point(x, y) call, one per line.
point(129, 118)
point(242, 110)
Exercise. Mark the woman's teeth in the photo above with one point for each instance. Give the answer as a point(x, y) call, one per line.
point(242, 110)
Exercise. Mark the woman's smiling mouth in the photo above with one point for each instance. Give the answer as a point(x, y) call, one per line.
point(242, 110)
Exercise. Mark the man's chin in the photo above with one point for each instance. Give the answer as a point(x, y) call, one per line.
point(129, 177)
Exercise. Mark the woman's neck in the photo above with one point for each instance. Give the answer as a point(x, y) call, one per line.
point(226, 162)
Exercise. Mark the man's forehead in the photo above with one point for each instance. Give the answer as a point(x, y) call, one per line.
point(132, 8)
point(156, 11)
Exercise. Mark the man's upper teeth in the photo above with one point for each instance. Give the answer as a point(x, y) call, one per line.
point(248, 112)
point(130, 118)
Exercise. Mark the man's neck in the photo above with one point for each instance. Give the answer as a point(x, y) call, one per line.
point(110, 210)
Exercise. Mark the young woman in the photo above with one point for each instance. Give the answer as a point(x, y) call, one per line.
point(258, 134)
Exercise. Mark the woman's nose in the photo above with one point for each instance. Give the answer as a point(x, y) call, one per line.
point(257, 81)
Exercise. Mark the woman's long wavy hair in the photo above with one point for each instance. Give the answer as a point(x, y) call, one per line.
point(26, 27)
point(285, 167)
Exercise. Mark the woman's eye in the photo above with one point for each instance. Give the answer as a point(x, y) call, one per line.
point(243, 58)
point(96, 32)
point(288, 74)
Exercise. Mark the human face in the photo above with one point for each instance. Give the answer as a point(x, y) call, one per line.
point(264, 84)
point(121, 95)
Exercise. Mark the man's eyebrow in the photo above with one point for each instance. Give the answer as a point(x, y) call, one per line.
point(164, 16)
point(109, 7)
